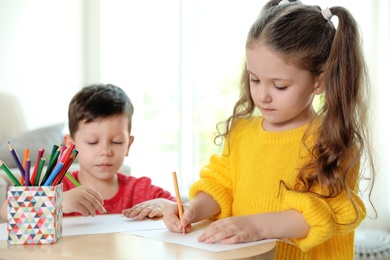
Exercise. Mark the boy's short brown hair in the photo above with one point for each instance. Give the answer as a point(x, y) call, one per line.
point(98, 101)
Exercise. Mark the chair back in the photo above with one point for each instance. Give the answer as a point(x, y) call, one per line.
point(12, 121)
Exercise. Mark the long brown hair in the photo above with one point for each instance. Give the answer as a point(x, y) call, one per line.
point(305, 38)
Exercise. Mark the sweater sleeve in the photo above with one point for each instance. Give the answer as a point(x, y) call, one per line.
point(216, 181)
point(326, 217)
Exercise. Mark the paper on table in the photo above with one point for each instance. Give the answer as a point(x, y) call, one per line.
point(109, 223)
point(99, 224)
point(190, 239)
point(3, 231)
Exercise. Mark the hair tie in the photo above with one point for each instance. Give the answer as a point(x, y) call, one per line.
point(283, 2)
point(326, 13)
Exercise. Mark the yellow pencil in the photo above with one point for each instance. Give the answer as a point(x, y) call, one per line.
point(178, 200)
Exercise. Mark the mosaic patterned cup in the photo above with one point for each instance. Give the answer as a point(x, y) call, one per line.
point(34, 215)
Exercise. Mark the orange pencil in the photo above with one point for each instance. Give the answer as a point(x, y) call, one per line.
point(178, 200)
point(26, 155)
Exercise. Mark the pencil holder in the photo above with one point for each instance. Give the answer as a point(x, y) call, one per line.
point(34, 215)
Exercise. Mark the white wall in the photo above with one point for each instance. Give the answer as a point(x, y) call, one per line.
point(41, 51)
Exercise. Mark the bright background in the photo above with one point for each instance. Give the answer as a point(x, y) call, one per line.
point(179, 61)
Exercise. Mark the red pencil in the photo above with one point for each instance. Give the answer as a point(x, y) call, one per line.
point(34, 174)
point(65, 168)
point(67, 153)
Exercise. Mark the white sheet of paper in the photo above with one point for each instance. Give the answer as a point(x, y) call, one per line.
point(153, 229)
point(190, 239)
point(99, 224)
point(3, 231)
point(109, 223)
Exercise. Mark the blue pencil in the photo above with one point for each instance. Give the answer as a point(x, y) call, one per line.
point(53, 174)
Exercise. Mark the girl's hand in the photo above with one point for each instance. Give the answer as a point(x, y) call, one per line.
point(172, 221)
point(84, 200)
point(148, 209)
point(233, 230)
point(283, 224)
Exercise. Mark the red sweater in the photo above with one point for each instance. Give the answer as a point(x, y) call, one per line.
point(131, 191)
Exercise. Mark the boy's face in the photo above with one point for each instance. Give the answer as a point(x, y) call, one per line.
point(102, 146)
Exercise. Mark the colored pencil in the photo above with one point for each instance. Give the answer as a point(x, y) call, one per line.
point(51, 165)
point(16, 158)
point(27, 172)
point(65, 168)
point(53, 151)
point(73, 180)
point(178, 200)
point(9, 173)
point(39, 171)
point(53, 174)
point(68, 152)
point(63, 149)
point(34, 174)
point(26, 155)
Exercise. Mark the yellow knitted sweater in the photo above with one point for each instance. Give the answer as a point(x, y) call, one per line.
point(245, 180)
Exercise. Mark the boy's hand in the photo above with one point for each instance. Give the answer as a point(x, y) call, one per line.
point(84, 200)
point(148, 209)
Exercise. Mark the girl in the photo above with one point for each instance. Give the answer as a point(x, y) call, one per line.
point(291, 172)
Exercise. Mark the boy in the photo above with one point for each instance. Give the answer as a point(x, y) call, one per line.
point(100, 118)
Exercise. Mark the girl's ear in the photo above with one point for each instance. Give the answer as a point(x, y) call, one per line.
point(319, 86)
point(68, 140)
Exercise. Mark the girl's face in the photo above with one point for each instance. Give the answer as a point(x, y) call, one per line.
point(102, 146)
point(281, 91)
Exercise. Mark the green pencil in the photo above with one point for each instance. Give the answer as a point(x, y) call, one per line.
point(52, 163)
point(9, 173)
point(40, 167)
point(70, 177)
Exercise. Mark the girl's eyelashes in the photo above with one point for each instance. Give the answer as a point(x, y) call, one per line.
point(280, 88)
point(277, 87)
point(252, 77)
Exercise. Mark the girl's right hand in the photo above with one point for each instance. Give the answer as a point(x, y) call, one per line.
point(172, 221)
point(84, 200)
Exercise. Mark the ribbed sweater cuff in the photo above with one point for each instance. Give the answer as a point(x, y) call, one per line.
point(317, 214)
point(219, 194)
